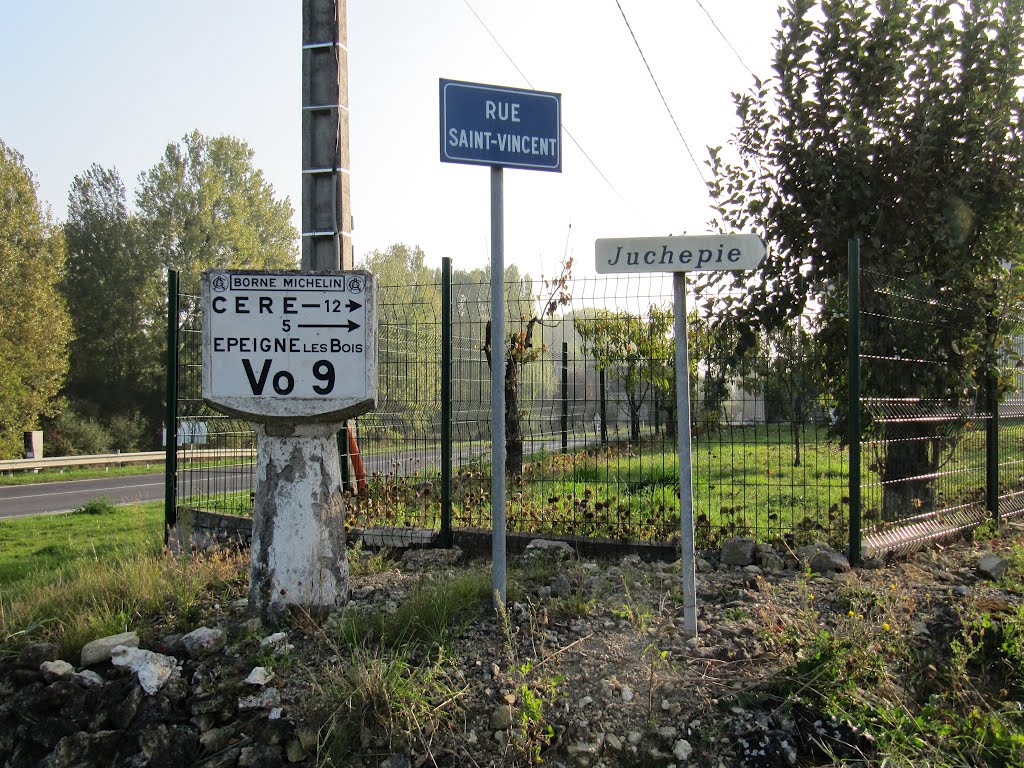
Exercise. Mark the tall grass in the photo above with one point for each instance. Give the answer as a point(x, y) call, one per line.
point(100, 574)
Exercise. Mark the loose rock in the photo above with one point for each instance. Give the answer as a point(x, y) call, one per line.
point(100, 651)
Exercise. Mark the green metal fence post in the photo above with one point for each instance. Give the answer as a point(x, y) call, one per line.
point(171, 416)
point(565, 397)
point(446, 401)
point(853, 248)
point(992, 448)
point(604, 410)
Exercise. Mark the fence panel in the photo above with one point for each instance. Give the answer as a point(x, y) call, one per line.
point(924, 465)
point(593, 448)
point(216, 484)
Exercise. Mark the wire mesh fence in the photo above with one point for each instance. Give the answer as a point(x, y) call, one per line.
point(216, 453)
point(591, 448)
point(932, 440)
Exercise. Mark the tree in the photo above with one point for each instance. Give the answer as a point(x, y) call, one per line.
point(790, 379)
point(115, 364)
point(521, 347)
point(898, 122)
point(409, 334)
point(34, 325)
point(205, 206)
point(637, 351)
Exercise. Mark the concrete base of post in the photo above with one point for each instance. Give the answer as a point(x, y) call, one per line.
point(299, 562)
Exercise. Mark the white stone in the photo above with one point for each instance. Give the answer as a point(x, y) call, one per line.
point(627, 694)
point(682, 750)
point(54, 670)
point(99, 651)
point(259, 676)
point(268, 698)
point(275, 639)
point(152, 669)
point(275, 713)
point(204, 641)
point(547, 545)
point(88, 679)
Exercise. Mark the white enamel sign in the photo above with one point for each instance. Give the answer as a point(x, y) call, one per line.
point(289, 346)
point(687, 253)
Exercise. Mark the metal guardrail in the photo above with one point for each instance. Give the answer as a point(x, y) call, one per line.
point(115, 459)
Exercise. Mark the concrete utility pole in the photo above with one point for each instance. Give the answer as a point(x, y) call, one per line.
point(326, 185)
point(326, 182)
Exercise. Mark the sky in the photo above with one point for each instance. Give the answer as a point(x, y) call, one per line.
point(114, 81)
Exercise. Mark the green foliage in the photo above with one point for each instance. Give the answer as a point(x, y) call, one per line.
point(383, 692)
point(409, 333)
point(74, 434)
point(899, 124)
point(205, 206)
point(637, 351)
point(128, 431)
point(116, 356)
point(432, 612)
point(34, 325)
point(98, 506)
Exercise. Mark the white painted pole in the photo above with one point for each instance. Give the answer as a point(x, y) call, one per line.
point(298, 557)
point(685, 457)
point(497, 385)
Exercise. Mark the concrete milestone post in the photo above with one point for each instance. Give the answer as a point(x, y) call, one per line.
point(296, 354)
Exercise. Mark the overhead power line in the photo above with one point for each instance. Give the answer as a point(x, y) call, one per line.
point(722, 34)
point(527, 81)
point(668, 109)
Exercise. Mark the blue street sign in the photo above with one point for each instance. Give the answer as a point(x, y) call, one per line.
point(493, 125)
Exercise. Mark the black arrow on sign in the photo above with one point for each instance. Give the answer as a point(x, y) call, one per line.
point(351, 326)
point(353, 306)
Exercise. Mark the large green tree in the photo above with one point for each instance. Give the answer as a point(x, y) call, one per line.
point(898, 122)
point(34, 325)
point(206, 206)
point(115, 363)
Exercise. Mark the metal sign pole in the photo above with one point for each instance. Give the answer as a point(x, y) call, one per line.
point(686, 556)
point(497, 385)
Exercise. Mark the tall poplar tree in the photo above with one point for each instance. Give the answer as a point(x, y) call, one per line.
point(115, 363)
point(34, 325)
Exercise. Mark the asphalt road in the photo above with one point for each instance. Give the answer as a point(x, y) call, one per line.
point(66, 495)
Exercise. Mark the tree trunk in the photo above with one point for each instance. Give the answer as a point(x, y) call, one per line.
point(634, 420)
point(513, 421)
point(907, 487)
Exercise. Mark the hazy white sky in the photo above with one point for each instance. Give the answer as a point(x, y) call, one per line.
point(113, 81)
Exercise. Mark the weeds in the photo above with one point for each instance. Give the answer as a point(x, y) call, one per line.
point(378, 698)
point(923, 704)
point(98, 506)
point(108, 597)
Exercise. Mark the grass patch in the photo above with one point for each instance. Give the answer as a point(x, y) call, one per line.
point(430, 615)
point(40, 549)
point(73, 577)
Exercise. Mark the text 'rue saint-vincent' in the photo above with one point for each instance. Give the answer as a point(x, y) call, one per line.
point(503, 111)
